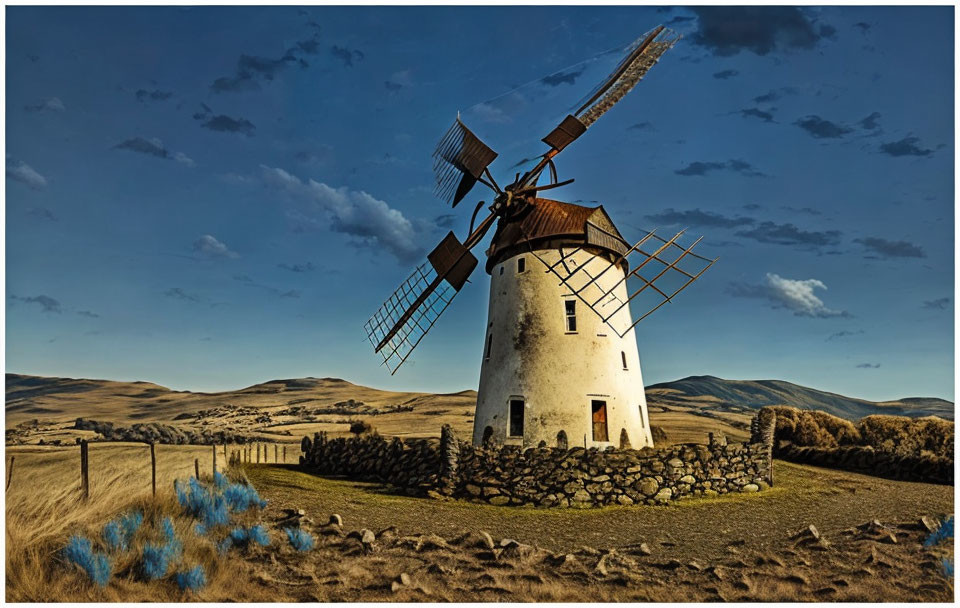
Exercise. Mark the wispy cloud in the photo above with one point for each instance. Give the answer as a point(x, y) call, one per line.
point(42, 213)
point(305, 267)
point(891, 249)
point(46, 303)
point(699, 168)
point(822, 128)
point(50, 104)
point(346, 55)
point(868, 366)
point(144, 95)
point(757, 113)
point(789, 234)
point(725, 74)
point(353, 212)
point(19, 171)
point(249, 282)
point(154, 147)
point(178, 293)
point(228, 124)
point(209, 247)
point(728, 30)
point(251, 70)
point(797, 296)
point(558, 78)
point(697, 217)
point(908, 146)
point(843, 334)
point(938, 304)
point(870, 123)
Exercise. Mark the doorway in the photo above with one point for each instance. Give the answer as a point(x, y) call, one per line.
point(599, 413)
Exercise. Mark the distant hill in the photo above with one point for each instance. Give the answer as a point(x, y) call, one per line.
point(716, 393)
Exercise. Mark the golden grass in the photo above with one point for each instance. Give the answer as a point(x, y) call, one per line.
point(44, 508)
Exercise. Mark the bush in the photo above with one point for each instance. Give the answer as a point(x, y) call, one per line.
point(361, 427)
point(97, 565)
point(909, 436)
point(118, 533)
point(193, 579)
point(299, 539)
point(814, 428)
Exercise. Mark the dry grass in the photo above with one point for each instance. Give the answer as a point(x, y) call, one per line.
point(44, 508)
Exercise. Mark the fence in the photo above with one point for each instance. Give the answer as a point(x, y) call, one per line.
point(234, 455)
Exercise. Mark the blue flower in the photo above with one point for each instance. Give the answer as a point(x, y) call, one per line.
point(299, 539)
point(193, 579)
point(97, 565)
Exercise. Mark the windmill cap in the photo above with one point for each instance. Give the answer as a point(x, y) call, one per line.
point(550, 224)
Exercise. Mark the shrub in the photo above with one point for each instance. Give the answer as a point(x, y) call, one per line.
point(201, 503)
point(814, 428)
point(361, 427)
point(908, 436)
point(240, 497)
point(97, 565)
point(243, 537)
point(299, 539)
point(193, 579)
point(941, 534)
point(118, 533)
point(157, 559)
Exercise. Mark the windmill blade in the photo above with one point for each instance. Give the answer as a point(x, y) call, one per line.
point(672, 268)
point(648, 50)
point(460, 154)
point(410, 312)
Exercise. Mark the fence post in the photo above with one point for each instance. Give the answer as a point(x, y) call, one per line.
point(153, 467)
point(10, 472)
point(258, 453)
point(84, 468)
point(196, 467)
point(214, 461)
point(284, 454)
point(275, 449)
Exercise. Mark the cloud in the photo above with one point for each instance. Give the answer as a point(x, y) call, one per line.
point(641, 126)
point(757, 113)
point(143, 95)
point(891, 249)
point(558, 78)
point(209, 247)
point(87, 313)
point(227, 124)
point(938, 304)
point(251, 70)
point(868, 366)
point(305, 267)
point(725, 74)
point(822, 128)
point(246, 280)
point(42, 213)
point(50, 104)
point(696, 217)
point(794, 295)
point(806, 210)
point(728, 30)
point(351, 212)
point(154, 147)
point(180, 294)
point(346, 55)
point(870, 122)
point(789, 234)
point(843, 334)
point(19, 171)
point(862, 26)
point(445, 221)
point(702, 168)
point(47, 304)
point(905, 147)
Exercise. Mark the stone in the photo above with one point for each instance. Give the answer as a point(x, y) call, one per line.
point(644, 549)
point(335, 520)
point(490, 491)
point(648, 486)
point(508, 542)
point(473, 490)
point(688, 479)
point(750, 488)
point(404, 579)
point(499, 501)
point(367, 537)
point(675, 463)
point(663, 495)
point(623, 499)
point(487, 540)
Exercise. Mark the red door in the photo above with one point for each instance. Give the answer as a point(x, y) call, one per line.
point(599, 420)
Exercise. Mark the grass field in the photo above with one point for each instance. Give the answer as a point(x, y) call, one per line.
point(44, 508)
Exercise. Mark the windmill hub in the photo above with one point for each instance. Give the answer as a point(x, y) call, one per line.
point(560, 359)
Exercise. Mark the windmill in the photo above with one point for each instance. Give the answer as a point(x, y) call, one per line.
point(550, 374)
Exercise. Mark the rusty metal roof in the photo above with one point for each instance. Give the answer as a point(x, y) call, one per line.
point(546, 219)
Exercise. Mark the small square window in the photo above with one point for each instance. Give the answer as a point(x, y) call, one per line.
point(570, 310)
point(521, 265)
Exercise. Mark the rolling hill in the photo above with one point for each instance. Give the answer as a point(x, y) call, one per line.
point(284, 410)
point(753, 394)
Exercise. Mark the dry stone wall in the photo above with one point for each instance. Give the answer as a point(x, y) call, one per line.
point(549, 477)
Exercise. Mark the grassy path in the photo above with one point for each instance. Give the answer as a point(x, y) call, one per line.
point(831, 500)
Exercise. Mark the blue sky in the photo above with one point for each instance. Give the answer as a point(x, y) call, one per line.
point(211, 197)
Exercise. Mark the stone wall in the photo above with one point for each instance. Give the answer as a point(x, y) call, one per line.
point(549, 477)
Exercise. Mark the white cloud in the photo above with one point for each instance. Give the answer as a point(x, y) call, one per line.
point(22, 172)
point(796, 295)
point(352, 212)
point(209, 247)
point(180, 157)
point(52, 104)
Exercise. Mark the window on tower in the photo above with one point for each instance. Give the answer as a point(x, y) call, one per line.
point(486, 351)
point(623, 357)
point(599, 418)
point(516, 418)
point(521, 265)
point(570, 309)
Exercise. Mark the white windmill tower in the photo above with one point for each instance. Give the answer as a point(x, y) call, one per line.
point(560, 359)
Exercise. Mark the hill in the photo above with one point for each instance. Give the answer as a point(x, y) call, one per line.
point(717, 393)
point(287, 409)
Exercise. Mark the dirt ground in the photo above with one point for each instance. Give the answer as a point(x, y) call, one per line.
point(694, 528)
